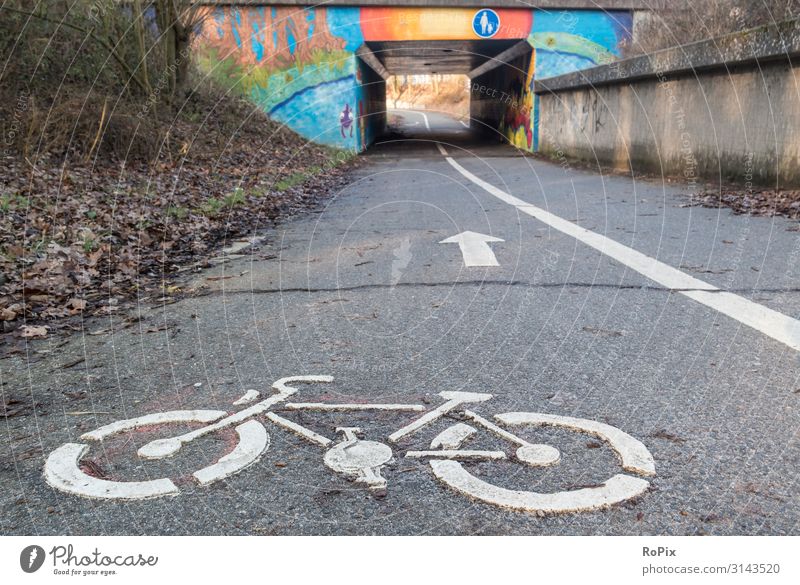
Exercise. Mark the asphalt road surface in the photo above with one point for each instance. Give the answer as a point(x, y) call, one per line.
point(626, 322)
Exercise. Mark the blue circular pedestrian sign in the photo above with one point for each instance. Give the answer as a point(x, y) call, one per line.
point(486, 23)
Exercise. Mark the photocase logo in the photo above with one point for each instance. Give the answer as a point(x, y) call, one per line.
point(402, 258)
point(31, 558)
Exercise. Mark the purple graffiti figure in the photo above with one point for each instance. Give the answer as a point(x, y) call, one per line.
point(346, 120)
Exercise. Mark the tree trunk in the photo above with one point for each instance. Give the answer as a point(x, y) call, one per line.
point(176, 20)
point(138, 14)
point(165, 18)
point(183, 41)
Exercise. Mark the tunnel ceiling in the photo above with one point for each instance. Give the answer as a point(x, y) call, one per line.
point(444, 57)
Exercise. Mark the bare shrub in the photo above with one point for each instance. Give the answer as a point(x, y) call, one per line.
point(688, 22)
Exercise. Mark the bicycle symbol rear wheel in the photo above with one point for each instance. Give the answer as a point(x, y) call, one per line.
point(63, 470)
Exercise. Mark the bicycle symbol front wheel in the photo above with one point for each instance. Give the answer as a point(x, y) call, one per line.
point(633, 455)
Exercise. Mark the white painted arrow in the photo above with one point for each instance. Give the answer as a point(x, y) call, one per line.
point(475, 248)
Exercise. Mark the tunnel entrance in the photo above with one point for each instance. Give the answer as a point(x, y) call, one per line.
point(434, 92)
point(494, 74)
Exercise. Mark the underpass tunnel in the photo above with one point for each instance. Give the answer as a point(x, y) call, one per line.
point(499, 73)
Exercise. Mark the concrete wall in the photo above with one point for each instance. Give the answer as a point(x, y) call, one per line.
point(724, 110)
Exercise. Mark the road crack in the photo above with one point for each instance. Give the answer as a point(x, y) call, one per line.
point(504, 283)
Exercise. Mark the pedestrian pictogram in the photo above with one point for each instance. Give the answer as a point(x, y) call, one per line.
point(486, 23)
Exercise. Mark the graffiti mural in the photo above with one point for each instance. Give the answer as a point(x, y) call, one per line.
point(299, 63)
point(517, 123)
point(296, 63)
point(568, 41)
point(563, 42)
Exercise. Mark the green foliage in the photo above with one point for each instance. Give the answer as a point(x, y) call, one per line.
point(214, 205)
point(92, 76)
point(291, 181)
point(235, 198)
point(89, 245)
point(336, 157)
point(91, 42)
point(12, 202)
point(339, 156)
point(211, 207)
point(177, 212)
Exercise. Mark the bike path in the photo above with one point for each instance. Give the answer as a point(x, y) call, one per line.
point(364, 292)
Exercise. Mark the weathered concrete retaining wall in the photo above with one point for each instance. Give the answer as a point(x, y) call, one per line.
point(726, 109)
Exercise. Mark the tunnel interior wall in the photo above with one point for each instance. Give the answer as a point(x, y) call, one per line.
point(299, 64)
point(498, 102)
point(372, 115)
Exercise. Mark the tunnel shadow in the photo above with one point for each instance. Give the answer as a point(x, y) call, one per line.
point(417, 132)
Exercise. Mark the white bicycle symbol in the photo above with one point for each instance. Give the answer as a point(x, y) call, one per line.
point(362, 460)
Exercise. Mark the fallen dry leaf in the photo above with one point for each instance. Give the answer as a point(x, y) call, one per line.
point(10, 313)
point(76, 303)
point(29, 332)
point(123, 236)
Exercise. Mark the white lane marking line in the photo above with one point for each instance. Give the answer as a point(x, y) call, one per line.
point(475, 248)
point(62, 471)
point(300, 430)
point(463, 123)
point(248, 397)
point(326, 407)
point(769, 322)
point(253, 442)
point(453, 437)
point(441, 149)
point(174, 416)
point(424, 117)
point(454, 399)
point(634, 455)
point(457, 454)
point(617, 489)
